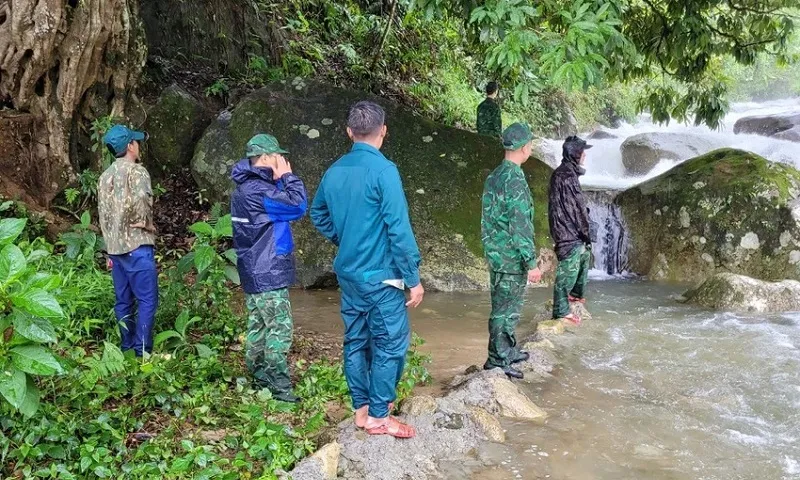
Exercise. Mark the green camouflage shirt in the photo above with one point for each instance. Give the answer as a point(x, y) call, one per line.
point(507, 221)
point(125, 198)
point(490, 120)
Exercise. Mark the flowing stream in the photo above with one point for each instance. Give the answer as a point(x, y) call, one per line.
point(604, 167)
point(648, 389)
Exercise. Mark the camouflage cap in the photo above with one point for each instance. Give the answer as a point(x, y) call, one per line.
point(263, 144)
point(516, 136)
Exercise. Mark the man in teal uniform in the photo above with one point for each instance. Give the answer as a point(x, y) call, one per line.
point(507, 234)
point(360, 206)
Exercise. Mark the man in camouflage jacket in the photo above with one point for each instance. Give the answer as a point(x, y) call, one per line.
point(508, 242)
point(125, 202)
point(490, 120)
point(570, 229)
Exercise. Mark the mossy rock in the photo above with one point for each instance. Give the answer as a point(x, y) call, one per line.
point(738, 293)
point(175, 124)
point(443, 171)
point(728, 210)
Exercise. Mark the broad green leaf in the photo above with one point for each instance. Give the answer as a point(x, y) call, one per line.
point(204, 257)
point(86, 218)
point(224, 227)
point(37, 255)
point(35, 359)
point(201, 228)
point(230, 254)
point(185, 263)
point(38, 302)
point(10, 229)
point(164, 336)
point(33, 328)
point(232, 274)
point(12, 387)
point(44, 281)
point(203, 350)
point(30, 404)
point(12, 264)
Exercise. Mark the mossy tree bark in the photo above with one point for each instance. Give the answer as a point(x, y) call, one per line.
point(62, 61)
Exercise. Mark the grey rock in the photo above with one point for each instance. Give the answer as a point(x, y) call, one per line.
point(642, 152)
point(738, 293)
point(175, 124)
point(783, 126)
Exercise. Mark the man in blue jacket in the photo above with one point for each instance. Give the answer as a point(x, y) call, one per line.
point(267, 197)
point(360, 206)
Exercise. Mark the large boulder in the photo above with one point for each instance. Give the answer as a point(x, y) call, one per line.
point(737, 293)
point(728, 210)
point(642, 152)
point(175, 124)
point(443, 172)
point(783, 126)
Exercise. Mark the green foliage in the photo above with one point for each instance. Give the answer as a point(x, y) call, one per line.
point(75, 406)
point(28, 311)
point(99, 128)
point(416, 372)
point(219, 88)
point(82, 241)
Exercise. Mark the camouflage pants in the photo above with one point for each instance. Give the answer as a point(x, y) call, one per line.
point(269, 337)
point(570, 280)
point(508, 294)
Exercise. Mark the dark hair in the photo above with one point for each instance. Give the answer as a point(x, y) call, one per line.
point(365, 118)
point(492, 88)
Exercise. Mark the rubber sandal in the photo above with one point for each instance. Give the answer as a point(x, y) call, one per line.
point(403, 430)
point(391, 407)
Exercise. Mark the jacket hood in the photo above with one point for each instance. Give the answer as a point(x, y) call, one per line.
point(573, 164)
point(244, 171)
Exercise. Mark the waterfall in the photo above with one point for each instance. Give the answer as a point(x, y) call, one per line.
point(610, 249)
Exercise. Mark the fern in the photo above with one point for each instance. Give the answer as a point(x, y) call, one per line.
point(112, 362)
point(215, 214)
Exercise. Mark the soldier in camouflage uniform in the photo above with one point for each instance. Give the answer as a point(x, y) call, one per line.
point(125, 202)
point(570, 229)
point(508, 241)
point(267, 198)
point(490, 120)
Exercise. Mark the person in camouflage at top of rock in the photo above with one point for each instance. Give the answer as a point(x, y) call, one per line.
point(490, 120)
point(570, 229)
point(267, 197)
point(125, 202)
point(508, 242)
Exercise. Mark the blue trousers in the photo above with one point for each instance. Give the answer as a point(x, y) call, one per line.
point(136, 287)
point(376, 338)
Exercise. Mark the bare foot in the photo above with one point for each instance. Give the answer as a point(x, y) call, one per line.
point(361, 416)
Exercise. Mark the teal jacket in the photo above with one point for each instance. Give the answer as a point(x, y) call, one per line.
point(360, 206)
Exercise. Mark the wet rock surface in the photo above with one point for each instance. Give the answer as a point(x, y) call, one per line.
point(738, 293)
point(642, 152)
point(728, 210)
point(784, 126)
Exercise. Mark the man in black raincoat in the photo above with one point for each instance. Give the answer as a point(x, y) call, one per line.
point(569, 228)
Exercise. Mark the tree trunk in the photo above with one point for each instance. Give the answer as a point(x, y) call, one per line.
point(56, 58)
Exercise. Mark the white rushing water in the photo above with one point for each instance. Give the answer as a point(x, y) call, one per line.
point(604, 163)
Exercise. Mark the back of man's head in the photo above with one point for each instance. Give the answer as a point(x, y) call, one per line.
point(366, 119)
point(492, 88)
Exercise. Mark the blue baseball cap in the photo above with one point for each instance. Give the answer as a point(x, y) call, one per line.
point(119, 137)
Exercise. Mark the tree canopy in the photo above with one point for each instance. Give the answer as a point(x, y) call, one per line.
point(676, 45)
